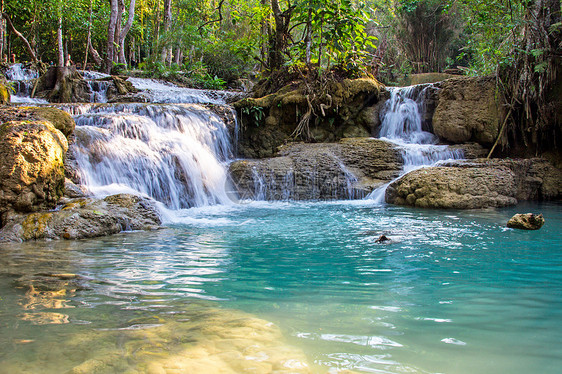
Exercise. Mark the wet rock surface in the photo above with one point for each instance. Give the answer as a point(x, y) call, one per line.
point(477, 184)
point(351, 168)
point(84, 218)
point(350, 108)
point(31, 165)
point(63, 85)
point(467, 111)
point(527, 221)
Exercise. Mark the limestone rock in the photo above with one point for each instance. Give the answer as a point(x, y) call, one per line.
point(477, 184)
point(122, 91)
point(347, 108)
point(349, 169)
point(467, 110)
point(454, 187)
point(60, 119)
point(528, 221)
point(84, 218)
point(31, 166)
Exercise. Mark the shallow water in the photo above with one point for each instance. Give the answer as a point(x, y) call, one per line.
point(453, 292)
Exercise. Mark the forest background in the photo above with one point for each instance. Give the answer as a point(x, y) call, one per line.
point(212, 43)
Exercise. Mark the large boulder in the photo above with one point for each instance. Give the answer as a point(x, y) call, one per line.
point(340, 109)
point(477, 184)
point(348, 169)
point(84, 218)
point(468, 110)
point(527, 221)
point(31, 166)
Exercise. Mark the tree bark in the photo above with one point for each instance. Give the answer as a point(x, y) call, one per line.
point(19, 35)
point(125, 31)
point(111, 36)
point(278, 41)
point(116, 45)
point(167, 22)
point(89, 37)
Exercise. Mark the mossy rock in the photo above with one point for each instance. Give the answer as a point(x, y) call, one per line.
point(60, 119)
point(5, 97)
point(342, 108)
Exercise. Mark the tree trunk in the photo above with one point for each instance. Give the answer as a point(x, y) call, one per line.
point(60, 62)
point(167, 22)
point(111, 35)
point(19, 35)
point(308, 36)
point(2, 31)
point(125, 31)
point(95, 55)
point(117, 46)
point(89, 37)
point(278, 41)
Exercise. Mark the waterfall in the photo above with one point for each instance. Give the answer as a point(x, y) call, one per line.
point(172, 153)
point(402, 125)
point(22, 80)
point(163, 92)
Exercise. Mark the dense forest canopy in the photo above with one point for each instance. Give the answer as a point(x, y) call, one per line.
point(224, 40)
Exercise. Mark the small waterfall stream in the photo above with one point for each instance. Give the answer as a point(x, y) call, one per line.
point(22, 80)
point(402, 125)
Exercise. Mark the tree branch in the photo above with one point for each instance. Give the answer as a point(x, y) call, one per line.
point(23, 38)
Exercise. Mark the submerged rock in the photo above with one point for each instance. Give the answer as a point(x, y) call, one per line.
point(197, 337)
point(84, 218)
point(477, 184)
point(349, 169)
point(382, 239)
point(528, 221)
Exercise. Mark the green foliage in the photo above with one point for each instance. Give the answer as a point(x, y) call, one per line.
point(338, 35)
point(255, 114)
point(492, 27)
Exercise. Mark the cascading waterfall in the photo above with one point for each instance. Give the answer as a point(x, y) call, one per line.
point(172, 153)
point(402, 125)
point(22, 79)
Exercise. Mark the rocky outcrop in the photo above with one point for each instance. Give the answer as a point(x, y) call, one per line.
point(122, 91)
point(349, 169)
point(63, 85)
point(349, 109)
point(528, 221)
point(477, 184)
point(468, 111)
point(32, 153)
point(31, 166)
point(84, 218)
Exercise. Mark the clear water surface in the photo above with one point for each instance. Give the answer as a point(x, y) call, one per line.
point(453, 292)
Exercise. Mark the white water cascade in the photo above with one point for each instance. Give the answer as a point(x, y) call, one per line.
point(22, 79)
point(172, 153)
point(402, 125)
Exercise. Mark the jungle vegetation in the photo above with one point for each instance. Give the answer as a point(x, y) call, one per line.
point(215, 43)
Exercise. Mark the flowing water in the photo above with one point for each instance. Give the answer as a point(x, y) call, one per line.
point(263, 287)
point(402, 125)
point(453, 292)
